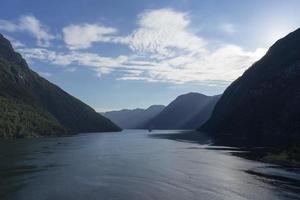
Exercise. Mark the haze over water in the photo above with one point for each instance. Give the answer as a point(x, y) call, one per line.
point(135, 165)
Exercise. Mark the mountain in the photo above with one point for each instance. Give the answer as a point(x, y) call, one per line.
point(262, 107)
point(133, 119)
point(31, 105)
point(185, 112)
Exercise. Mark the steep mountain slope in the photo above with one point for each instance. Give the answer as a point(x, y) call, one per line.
point(204, 114)
point(133, 119)
point(32, 99)
point(185, 112)
point(19, 120)
point(263, 105)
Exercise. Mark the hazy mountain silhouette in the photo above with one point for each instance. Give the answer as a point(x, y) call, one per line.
point(185, 112)
point(263, 105)
point(31, 105)
point(134, 119)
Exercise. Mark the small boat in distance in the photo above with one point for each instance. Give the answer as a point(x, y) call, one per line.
point(149, 130)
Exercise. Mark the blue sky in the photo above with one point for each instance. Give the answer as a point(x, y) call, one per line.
point(126, 54)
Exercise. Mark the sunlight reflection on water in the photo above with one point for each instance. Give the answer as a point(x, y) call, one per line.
point(135, 164)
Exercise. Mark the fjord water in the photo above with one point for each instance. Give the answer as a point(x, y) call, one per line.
point(134, 164)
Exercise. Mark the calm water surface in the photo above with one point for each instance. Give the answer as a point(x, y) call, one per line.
point(134, 165)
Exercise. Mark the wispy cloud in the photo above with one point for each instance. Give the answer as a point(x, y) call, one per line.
point(8, 26)
point(227, 28)
point(162, 48)
point(83, 36)
point(100, 64)
point(45, 74)
point(162, 32)
point(29, 24)
point(15, 43)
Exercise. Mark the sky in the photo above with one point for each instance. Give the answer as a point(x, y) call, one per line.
point(135, 53)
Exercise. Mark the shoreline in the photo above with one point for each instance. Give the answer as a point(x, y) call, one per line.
point(262, 154)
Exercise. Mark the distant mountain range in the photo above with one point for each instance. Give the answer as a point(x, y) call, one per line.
point(134, 119)
point(263, 105)
point(30, 105)
point(187, 111)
